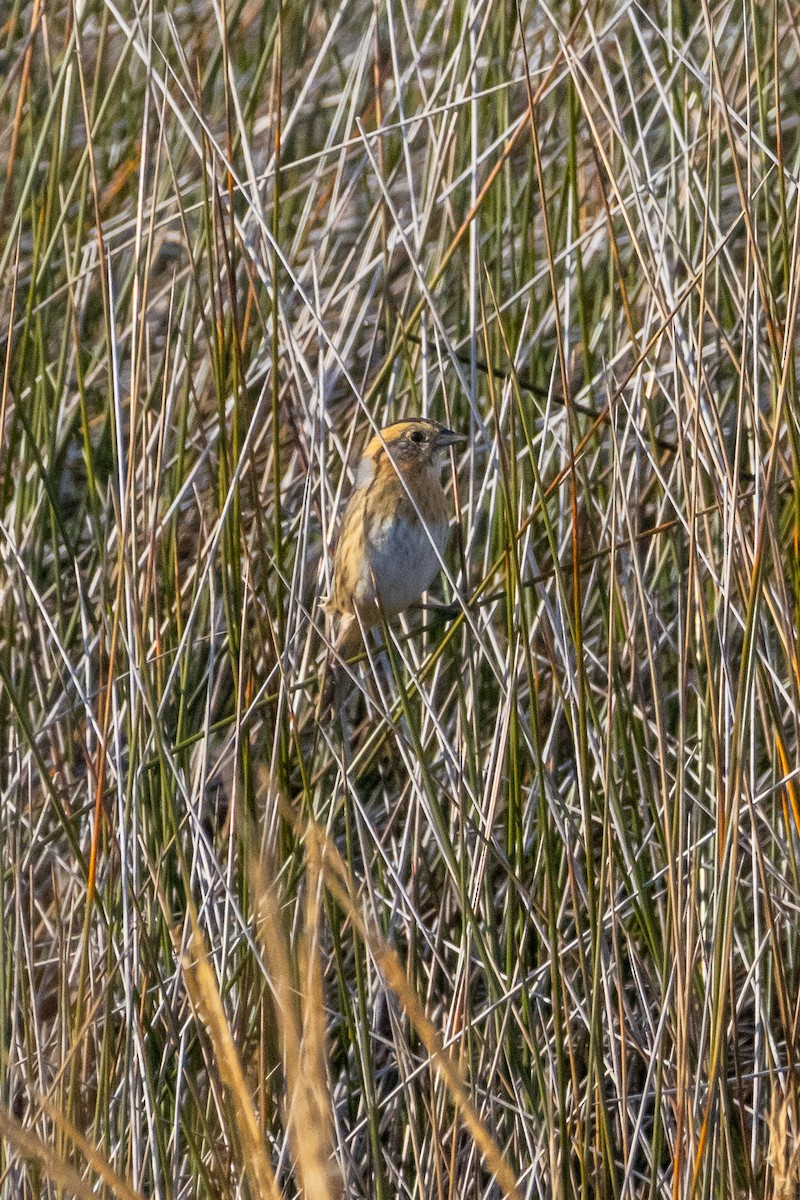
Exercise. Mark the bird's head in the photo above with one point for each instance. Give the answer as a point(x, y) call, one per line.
point(418, 444)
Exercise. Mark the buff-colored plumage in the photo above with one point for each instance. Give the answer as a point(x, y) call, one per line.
point(386, 557)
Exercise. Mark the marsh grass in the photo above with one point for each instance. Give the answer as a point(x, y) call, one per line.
point(528, 924)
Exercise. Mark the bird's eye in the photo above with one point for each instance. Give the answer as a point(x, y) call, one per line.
point(418, 436)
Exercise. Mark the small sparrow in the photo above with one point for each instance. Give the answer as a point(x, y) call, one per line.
point(386, 557)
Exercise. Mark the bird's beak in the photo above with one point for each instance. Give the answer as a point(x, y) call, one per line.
point(446, 437)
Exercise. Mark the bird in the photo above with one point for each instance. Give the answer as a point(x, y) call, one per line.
point(389, 548)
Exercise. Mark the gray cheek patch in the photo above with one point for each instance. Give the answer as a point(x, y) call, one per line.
point(364, 472)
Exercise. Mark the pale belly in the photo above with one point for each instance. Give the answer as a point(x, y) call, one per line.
point(402, 562)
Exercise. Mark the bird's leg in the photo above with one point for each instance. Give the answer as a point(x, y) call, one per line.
point(434, 604)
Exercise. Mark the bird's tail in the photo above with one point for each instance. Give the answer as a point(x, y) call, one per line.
point(334, 678)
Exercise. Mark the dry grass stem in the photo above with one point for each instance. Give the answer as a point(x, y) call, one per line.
point(783, 1151)
point(300, 1015)
point(202, 986)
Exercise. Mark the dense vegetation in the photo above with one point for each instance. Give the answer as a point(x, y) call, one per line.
point(528, 918)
